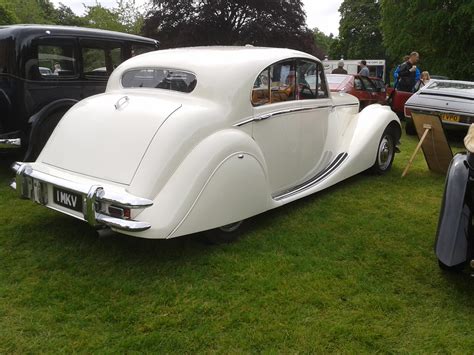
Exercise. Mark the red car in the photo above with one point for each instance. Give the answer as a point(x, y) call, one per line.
point(367, 90)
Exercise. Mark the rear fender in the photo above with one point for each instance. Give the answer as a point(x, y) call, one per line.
point(222, 180)
point(451, 246)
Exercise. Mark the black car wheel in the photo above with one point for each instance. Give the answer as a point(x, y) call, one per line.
point(225, 234)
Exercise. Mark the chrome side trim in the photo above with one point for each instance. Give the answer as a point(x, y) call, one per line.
point(332, 166)
point(426, 109)
point(277, 113)
point(14, 143)
point(33, 185)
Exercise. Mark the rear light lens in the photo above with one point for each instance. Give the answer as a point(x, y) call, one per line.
point(119, 212)
point(407, 112)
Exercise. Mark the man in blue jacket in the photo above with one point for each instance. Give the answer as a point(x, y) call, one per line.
point(407, 73)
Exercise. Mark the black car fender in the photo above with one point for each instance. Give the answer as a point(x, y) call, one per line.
point(451, 246)
point(41, 117)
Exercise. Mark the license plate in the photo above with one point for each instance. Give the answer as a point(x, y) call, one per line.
point(67, 199)
point(450, 117)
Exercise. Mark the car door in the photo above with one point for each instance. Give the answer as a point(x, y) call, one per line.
point(290, 121)
point(370, 89)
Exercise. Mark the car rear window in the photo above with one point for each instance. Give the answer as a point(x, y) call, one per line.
point(168, 79)
point(452, 85)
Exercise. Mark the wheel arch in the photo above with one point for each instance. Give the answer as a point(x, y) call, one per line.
point(211, 187)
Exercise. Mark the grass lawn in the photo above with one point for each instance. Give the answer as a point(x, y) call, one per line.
point(349, 270)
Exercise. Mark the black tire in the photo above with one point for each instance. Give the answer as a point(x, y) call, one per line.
point(410, 129)
point(454, 268)
point(225, 234)
point(41, 133)
point(385, 152)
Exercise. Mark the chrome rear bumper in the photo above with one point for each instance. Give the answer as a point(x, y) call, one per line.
point(35, 185)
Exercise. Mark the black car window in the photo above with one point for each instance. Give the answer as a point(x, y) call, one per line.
point(53, 61)
point(168, 79)
point(138, 49)
point(99, 59)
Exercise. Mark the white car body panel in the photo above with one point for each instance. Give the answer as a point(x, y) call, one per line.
point(207, 158)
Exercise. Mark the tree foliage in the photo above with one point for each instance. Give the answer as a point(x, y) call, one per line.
point(126, 17)
point(442, 31)
point(323, 41)
point(279, 23)
point(7, 17)
point(359, 32)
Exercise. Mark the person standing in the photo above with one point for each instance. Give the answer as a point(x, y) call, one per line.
point(424, 80)
point(340, 68)
point(407, 73)
point(364, 70)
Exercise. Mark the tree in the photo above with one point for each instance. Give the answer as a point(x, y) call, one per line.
point(359, 32)
point(28, 11)
point(178, 23)
point(7, 17)
point(126, 17)
point(323, 41)
point(442, 31)
point(66, 17)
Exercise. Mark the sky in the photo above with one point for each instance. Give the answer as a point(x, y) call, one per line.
point(322, 14)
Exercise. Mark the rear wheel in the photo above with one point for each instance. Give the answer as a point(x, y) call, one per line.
point(225, 234)
point(454, 268)
point(385, 152)
point(410, 129)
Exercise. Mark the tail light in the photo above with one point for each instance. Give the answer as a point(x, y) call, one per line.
point(119, 212)
point(407, 112)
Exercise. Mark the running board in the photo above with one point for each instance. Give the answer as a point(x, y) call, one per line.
point(338, 160)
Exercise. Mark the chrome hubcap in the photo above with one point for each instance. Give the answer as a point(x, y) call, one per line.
point(385, 152)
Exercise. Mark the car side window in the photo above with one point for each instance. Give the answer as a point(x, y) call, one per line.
point(358, 84)
point(290, 80)
point(322, 86)
point(369, 86)
point(307, 79)
point(99, 59)
point(53, 61)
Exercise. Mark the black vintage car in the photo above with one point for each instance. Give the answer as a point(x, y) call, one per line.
point(44, 70)
point(453, 103)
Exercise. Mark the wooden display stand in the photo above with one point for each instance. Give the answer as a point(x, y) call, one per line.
point(436, 149)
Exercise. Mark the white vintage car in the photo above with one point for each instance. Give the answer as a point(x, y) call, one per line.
point(196, 139)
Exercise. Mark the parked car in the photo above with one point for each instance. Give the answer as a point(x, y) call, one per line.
point(454, 237)
point(45, 69)
point(197, 139)
point(397, 100)
point(452, 101)
point(360, 86)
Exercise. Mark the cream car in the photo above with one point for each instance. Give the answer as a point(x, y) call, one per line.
point(197, 139)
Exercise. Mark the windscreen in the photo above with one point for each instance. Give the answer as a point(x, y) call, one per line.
point(167, 79)
point(333, 79)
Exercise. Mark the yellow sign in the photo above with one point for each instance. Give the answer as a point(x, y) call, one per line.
point(450, 117)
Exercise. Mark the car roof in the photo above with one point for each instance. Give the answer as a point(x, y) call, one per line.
point(225, 68)
point(32, 29)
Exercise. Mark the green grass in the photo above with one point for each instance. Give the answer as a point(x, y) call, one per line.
point(348, 270)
